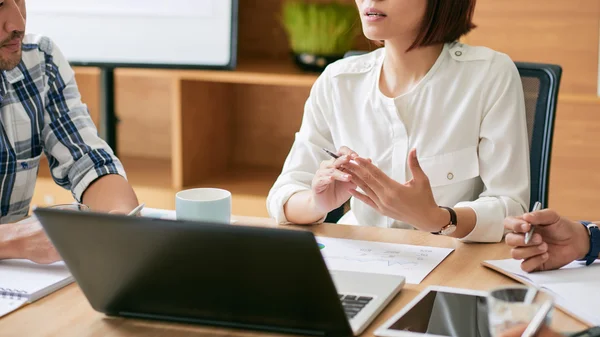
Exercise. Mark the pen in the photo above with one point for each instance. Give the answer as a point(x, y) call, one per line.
point(536, 323)
point(136, 210)
point(529, 234)
point(335, 156)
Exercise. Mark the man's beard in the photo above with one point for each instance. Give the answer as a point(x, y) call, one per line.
point(11, 62)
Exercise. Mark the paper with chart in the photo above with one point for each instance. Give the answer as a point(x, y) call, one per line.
point(158, 213)
point(164, 214)
point(575, 287)
point(412, 262)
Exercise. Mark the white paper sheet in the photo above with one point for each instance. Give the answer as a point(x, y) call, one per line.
point(158, 213)
point(165, 214)
point(33, 280)
point(8, 305)
point(576, 287)
point(412, 262)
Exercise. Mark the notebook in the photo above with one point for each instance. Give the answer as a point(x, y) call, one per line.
point(575, 287)
point(22, 281)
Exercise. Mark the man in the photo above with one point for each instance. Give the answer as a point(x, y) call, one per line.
point(41, 110)
point(556, 242)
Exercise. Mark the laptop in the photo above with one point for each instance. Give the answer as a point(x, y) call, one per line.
point(269, 279)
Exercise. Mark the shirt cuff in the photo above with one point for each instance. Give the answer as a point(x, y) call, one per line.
point(490, 216)
point(93, 174)
point(279, 198)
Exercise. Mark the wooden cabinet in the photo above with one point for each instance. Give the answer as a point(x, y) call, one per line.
point(233, 129)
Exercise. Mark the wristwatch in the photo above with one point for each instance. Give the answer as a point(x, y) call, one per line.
point(594, 251)
point(451, 226)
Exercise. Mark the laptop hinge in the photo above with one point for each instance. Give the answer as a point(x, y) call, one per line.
point(222, 323)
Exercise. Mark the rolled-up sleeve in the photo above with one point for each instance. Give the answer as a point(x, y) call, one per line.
point(76, 154)
point(503, 153)
point(306, 153)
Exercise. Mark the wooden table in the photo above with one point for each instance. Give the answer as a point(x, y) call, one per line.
point(67, 312)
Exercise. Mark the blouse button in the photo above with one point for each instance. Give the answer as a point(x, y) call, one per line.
point(450, 176)
point(458, 53)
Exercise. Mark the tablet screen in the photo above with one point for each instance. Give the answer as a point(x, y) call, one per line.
point(447, 314)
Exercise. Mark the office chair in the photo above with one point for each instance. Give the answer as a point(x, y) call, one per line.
point(541, 83)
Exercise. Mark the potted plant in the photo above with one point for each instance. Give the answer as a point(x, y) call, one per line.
point(319, 33)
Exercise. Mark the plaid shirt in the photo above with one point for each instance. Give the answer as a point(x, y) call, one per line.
point(41, 110)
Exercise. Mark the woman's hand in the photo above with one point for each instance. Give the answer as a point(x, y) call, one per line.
point(412, 202)
point(331, 186)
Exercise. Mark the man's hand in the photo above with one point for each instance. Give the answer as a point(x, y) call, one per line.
point(556, 242)
point(27, 240)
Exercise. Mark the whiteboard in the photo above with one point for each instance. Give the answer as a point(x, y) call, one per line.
point(148, 33)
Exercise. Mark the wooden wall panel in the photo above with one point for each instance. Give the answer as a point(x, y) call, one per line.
point(204, 130)
point(575, 170)
point(265, 122)
point(144, 107)
point(549, 31)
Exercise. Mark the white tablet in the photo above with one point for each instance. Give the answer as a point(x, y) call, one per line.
point(441, 312)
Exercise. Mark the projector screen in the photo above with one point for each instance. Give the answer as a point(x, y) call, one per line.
point(140, 33)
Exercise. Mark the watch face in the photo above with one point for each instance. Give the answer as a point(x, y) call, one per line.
point(448, 230)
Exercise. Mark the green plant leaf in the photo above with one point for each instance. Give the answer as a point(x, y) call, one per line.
point(320, 28)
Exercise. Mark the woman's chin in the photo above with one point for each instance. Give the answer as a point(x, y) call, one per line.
point(375, 34)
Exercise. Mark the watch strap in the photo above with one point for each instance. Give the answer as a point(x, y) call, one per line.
point(594, 251)
point(453, 217)
point(450, 227)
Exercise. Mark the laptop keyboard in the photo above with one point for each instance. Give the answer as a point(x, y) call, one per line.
point(353, 304)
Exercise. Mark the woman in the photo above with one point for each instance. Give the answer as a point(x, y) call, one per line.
point(460, 108)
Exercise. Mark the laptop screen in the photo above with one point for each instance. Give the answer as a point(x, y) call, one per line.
point(447, 314)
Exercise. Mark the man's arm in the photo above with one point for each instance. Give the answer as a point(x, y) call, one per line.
point(8, 249)
point(79, 159)
point(101, 195)
point(27, 240)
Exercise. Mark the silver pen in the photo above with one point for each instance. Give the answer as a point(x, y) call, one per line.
point(136, 210)
point(529, 235)
point(538, 320)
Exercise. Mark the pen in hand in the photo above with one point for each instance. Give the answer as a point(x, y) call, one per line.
point(529, 235)
point(333, 155)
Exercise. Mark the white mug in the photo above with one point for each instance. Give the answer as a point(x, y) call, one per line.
point(204, 205)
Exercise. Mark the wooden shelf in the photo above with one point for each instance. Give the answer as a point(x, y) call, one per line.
point(156, 173)
point(145, 172)
point(148, 172)
point(281, 72)
point(250, 181)
point(277, 72)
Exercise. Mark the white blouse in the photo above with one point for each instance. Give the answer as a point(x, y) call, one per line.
point(466, 118)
